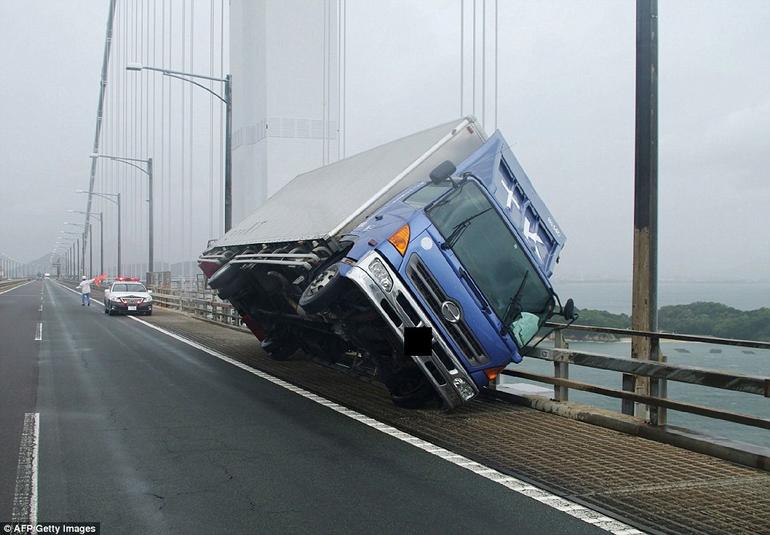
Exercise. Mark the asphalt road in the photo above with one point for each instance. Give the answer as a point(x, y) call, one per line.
point(19, 317)
point(146, 434)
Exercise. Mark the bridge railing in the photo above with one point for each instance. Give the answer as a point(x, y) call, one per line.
point(204, 303)
point(657, 372)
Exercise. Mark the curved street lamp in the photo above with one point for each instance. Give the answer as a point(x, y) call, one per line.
point(115, 199)
point(227, 99)
point(147, 170)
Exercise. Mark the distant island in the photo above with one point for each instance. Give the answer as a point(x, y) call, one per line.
point(703, 318)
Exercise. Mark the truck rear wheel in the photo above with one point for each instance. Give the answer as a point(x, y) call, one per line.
point(279, 346)
point(322, 290)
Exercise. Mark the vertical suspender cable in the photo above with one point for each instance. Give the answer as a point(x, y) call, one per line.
point(323, 92)
point(221, 196)
point(182, 132)
point(497, 28)
point(473, 61)
point(339, 75)
point(483, 61)
point(462, 54)
point(189, 252)
point(210, 206)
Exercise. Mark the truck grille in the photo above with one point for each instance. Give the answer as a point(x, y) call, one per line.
point(434, 295)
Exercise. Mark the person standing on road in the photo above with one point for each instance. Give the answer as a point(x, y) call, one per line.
point(85, 291)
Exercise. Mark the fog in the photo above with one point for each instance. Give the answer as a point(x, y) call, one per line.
point(566, 105)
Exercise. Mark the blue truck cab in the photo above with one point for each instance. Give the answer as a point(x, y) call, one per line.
point(467, 254)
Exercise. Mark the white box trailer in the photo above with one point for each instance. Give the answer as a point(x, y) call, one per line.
point(329, 201)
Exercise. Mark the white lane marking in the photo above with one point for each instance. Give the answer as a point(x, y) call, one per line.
point(25, 493)
point(16, 287)
point(41, 308)
point(546, 498)
point(589, 516)
point(39, 332)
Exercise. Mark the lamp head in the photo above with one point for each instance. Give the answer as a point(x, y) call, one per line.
point(134, 67)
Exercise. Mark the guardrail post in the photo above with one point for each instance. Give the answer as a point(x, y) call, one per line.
point(658, 389)
point(560, 369)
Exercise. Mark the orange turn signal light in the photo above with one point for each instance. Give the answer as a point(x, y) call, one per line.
point(492, 373)
point(400, 239)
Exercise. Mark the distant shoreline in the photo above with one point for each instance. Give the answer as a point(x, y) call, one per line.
point(698, 318)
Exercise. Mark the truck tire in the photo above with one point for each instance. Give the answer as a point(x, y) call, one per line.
point(224, 276)
point(227, 291)
point(279, 347)
point(322, 290)
point(410, 389)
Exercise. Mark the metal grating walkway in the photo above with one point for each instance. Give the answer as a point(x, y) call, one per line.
point(654, 486)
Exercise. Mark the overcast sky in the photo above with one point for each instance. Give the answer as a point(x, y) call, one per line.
point(566, 84)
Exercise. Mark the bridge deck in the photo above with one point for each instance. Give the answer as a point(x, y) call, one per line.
point(651, 485)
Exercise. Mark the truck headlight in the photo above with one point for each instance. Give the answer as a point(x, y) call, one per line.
point(380, 274)
point(465, 390)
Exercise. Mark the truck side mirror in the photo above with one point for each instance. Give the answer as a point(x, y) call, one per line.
point(568, 310)
point(442, 172)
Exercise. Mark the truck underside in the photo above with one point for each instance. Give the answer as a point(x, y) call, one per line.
point(291, 296)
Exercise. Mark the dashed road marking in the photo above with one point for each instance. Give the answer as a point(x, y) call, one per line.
point(25, 493)
point(580, 512)
point(39, 331)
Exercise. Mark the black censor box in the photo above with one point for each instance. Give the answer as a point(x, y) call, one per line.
point(418, 341)
point(56, 528)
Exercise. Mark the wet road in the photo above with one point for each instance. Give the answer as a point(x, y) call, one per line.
point(146, 434)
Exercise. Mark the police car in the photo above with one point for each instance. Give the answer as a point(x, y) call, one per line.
point(127, 295)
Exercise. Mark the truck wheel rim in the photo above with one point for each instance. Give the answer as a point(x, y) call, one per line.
point(322, 280)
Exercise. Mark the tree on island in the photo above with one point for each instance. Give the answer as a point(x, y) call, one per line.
point(702, 318)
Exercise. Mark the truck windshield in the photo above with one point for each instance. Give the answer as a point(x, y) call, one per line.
point(490, 252)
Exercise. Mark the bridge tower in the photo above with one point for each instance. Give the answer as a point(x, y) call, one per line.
point(285, 68)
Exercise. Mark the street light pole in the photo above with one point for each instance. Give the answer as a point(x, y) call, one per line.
point(228, 151)
point(227, 99)
point(150, 264)
point(115, 199)
point(90, 251)
point(120, 223)
point(147, 170)
point(100, 215)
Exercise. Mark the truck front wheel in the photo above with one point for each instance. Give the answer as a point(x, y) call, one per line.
point(322, 290)
point(410, 389)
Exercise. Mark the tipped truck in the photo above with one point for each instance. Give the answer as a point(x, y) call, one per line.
point(424, 262)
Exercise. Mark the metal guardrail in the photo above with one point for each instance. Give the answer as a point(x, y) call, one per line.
point(204, 303)
point(199, 303)
point(658, 372)
point(10, 283)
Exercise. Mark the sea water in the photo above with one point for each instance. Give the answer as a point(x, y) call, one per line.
point(615, 297)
